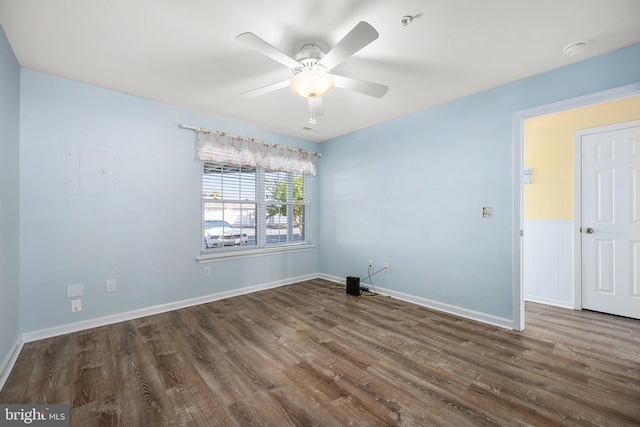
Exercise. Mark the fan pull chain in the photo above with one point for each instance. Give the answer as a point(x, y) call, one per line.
point(312, 111)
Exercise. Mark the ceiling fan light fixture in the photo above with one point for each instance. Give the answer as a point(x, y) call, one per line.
point(311, 83)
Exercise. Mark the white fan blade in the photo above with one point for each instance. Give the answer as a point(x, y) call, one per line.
point(361, 35)
point(265, 89)
point(367, 88)
point(255, 42)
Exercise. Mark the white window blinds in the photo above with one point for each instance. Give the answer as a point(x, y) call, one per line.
point(230, 149)
point(245, 207)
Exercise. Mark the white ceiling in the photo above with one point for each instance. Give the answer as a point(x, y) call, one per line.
point(184, 52)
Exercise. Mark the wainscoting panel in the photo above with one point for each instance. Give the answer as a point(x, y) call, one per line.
point(548, 262)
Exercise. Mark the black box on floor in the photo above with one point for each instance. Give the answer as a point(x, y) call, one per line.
point(353, 285)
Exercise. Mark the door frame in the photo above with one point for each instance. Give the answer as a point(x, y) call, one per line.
point(518, 182)
point(577, 201)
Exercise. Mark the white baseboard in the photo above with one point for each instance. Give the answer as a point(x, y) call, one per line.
point(549, 301)
point(332, 278)
point(451, 309)
point(439, 306)
point(149, 311)
point(10, 360)
point(8, 363)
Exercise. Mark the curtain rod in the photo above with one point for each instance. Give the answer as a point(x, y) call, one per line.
point(197, 129)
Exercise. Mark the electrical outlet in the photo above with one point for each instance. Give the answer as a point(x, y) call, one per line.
point(207, 271)
point(387, 267)
point(76, 305)
point(370, 263)
point(110, 285)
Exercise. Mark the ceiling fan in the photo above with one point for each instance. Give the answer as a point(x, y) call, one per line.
point(311, 68)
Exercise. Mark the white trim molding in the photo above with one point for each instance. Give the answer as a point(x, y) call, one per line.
point(158, 309)
point(163, 308)
point(451, 309)
point(10, 360)
point(332, 278)
point(438, 306)
point(251, 253)
point(549, 301)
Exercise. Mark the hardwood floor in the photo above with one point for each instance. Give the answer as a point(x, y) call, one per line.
point(308, 354)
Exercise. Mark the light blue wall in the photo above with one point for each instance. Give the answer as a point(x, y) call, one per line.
point(410, 191)
point(9, 188)
point(146, 235)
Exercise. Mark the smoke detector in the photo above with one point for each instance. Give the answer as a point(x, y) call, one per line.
point(575, 47)
point(406, 20)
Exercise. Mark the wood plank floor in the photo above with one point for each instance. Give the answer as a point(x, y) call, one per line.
point(308, 354)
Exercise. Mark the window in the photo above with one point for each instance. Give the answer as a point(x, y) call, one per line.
point(247, 207)
point(255, 195)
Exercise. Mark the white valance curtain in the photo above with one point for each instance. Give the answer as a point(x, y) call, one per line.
point(219, 147)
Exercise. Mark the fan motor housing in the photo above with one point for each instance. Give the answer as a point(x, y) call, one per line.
point(309, 55)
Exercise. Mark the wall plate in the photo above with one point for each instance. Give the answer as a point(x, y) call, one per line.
point(75, 290)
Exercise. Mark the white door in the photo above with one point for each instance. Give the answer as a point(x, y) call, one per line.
point(610, 230)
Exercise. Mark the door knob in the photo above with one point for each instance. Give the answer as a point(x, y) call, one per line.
point(588, 230)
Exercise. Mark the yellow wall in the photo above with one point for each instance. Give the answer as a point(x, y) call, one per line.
point(548, 150)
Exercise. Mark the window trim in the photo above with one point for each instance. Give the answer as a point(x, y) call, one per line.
point(251, 253)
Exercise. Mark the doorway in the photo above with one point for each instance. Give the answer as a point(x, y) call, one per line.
point(569, 107)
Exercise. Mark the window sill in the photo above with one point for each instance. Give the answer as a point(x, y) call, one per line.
point(250, 253)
